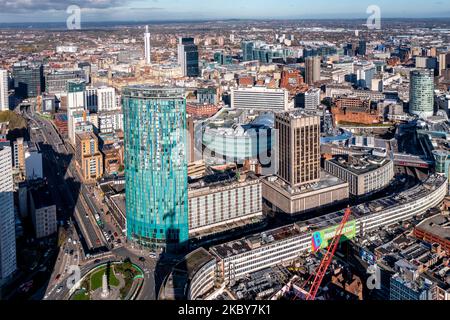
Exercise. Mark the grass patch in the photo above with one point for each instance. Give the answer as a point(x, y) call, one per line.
point(97, 279)
point(15, 121)
point(81, 295)
point(129, 272)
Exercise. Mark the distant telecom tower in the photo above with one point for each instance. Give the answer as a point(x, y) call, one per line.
point(148, 58)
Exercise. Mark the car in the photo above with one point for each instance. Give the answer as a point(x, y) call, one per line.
point(58, 277)
point(112, 238)
point(59, 289)
point(109, 232)
point(119, 241)
point(33, 266)
point(142, 259)
point(97, 261)
point(115, 234)
point(71, 252)
point(152, 255)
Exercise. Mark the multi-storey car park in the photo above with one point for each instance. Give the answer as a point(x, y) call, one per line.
point(203, 270)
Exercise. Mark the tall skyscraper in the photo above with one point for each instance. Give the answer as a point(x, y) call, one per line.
point(28, 79)
point(362, 48)
point(421, 93)
point(298, 147)
point(4, 98)
point(7, 222)
point(312, 70)
point(148, 58)
point(88, 156)
point(308, 100)
point(101, 99)
point(188, 57)
point(247, 50)
point(260, 98)
point(156, 166)
point(444, 62)
point(76, 103)
point(364, 72)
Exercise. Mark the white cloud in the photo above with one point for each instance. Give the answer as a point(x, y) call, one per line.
point(26, 6)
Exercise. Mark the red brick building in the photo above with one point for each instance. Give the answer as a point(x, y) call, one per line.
point(201, 110)
point(435, 230)
point(355, 110)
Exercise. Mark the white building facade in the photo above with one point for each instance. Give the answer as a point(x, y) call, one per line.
point(7, 222)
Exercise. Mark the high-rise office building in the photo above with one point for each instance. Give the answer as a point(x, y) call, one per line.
point(362, 48)
point(308, 100)
point(56, 81)
point(88, 156)
point(426, 63)
point(101, 99)
point(188, 57)
point(312, 70)
point(260, 98)
point(298, 147)
point(421, 93)
point(148, 58)
point(444, 62)
point(19, 156)
point(247, 50)
point(156, 166)
point(7, 221)
point(75, 104)
point(4, 98)
point(28, 79)
point(365, 72)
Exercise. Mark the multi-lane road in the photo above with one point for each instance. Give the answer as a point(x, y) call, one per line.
point(73, 196)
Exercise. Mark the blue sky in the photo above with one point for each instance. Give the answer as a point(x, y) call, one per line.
point(97, 10)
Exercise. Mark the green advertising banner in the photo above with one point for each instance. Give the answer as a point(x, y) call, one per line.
point(321, 239)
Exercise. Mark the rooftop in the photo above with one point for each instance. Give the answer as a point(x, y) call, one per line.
point(360, 164)
point(153, 92)
point(438, 225)
point(322, 222)
point(222, 179)
point(42, 197)
point(326, 181)
point(193, 262)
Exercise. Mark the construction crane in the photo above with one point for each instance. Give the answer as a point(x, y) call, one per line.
point(328, 257)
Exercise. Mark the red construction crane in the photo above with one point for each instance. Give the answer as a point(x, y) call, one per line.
point(328, 257)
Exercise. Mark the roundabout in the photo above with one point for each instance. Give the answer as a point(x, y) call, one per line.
point(110, 281)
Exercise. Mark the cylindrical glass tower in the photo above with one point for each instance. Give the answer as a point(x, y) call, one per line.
point(421, 95)
point(156, 166)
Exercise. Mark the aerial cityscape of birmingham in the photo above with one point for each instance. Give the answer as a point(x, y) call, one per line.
point(225, 150)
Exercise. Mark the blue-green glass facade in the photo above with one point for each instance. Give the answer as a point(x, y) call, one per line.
point(156, 166)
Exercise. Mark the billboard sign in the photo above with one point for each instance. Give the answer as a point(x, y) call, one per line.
point(321, 239)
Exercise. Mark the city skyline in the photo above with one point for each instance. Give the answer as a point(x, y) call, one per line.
point(162, 10)
point(212, 157)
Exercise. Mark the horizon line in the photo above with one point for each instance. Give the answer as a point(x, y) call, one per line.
point(226, 19)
